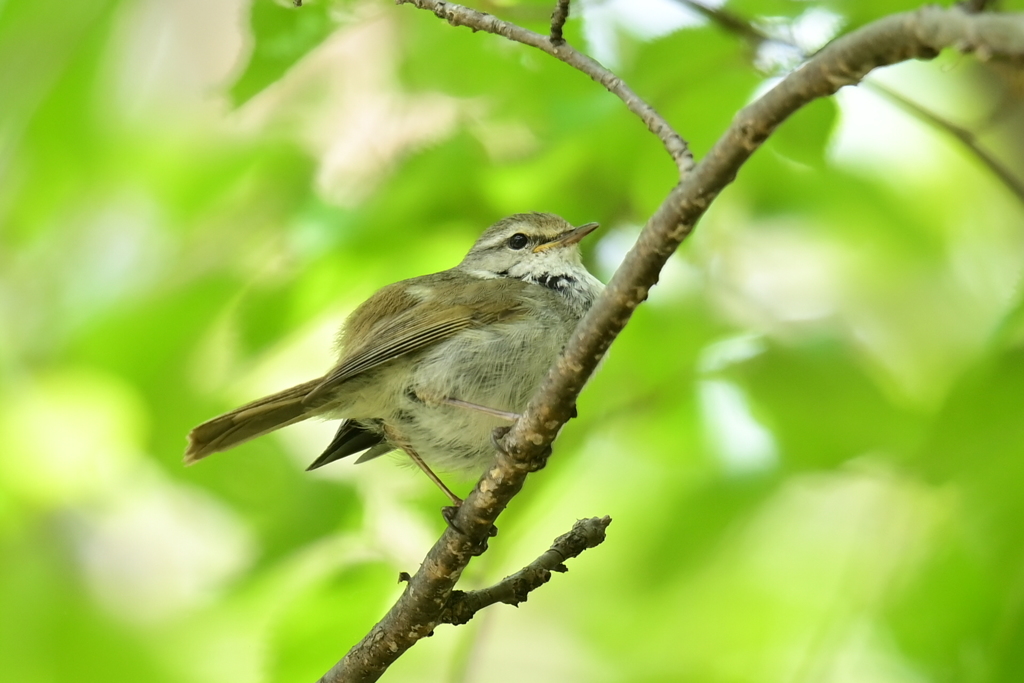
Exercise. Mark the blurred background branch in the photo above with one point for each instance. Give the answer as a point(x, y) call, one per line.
point(756, 38)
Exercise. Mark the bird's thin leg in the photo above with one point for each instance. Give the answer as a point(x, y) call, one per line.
point(456, 501)
point(394, 438)
point(448, 511)
point(503, 414)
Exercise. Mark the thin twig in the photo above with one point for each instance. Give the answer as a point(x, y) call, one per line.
point(514, 589)
point(558, 18)
point(845, 61)
point(457, 15)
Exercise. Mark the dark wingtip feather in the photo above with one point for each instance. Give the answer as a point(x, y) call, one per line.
point(350, 438)
point(318, 463)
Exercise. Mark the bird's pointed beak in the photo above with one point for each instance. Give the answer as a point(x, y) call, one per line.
point(569, 238)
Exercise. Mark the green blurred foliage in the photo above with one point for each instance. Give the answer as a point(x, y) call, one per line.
point(810, 438)
point(283, 34)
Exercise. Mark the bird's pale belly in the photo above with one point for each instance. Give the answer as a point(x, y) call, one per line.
point(499, 367)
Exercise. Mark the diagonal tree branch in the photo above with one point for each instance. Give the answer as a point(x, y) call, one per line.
point(845, 61)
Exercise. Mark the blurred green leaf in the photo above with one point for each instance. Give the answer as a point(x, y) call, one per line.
point(282, 35)
point(804, 136)
point(822, 407)
point(301, 651)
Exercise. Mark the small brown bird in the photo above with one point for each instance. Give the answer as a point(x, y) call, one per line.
point(431, 365)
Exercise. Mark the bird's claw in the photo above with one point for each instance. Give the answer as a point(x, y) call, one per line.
point(449, 513)
point(497, 434)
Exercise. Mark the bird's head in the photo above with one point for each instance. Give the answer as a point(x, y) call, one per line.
point(528, 246)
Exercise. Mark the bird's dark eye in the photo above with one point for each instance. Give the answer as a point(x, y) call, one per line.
point(518, 241)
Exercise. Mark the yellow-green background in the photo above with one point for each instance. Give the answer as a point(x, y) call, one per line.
point(811, 438)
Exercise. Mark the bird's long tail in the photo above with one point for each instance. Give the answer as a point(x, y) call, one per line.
point(251, 420)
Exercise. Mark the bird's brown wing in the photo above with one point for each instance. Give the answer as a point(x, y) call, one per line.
point(417, 319)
